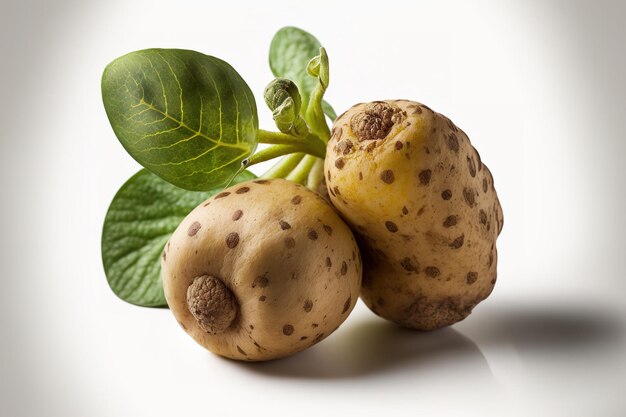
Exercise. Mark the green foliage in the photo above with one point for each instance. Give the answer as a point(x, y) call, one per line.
point(191, 121)
point(283, 98)
point(143, 214)
point(290, 52)
point(187, 117)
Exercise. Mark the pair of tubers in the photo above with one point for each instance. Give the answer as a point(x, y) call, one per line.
point(267, 268)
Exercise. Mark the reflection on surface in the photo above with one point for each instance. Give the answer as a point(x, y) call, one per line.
point(375, 346)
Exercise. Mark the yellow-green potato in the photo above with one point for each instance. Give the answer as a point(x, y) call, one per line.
point(262, 270)
point(423, 207)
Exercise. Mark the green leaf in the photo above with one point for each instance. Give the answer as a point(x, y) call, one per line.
point(142, 216)
point(188, 117)
point(329, 111)
point(290, 52)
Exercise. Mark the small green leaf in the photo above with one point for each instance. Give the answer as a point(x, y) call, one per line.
point(188, 117)
point(142, 216)
point(290, 52)
point(329, 111)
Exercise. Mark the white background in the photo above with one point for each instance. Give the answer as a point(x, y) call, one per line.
point(538, 86)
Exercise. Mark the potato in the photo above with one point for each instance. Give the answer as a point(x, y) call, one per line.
point(262, 270)
point(423, 206)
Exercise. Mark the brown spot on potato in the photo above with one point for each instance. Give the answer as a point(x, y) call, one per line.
point(485, 185)
point(408, 265)
point(453, 142)
point(471, 165)
point(446, 194)
point(346, 305)
point(261, 181)
point(262, 298)
point(387, 176)
point(261, 281)
point(399, 145)
point(391, 226)
point(296, 200)
point(328, 229)
point(431, 271)
point(421, 210)
point(284, 225)
point(312, 234)
point(242, 190)
point(360, 176)
point(318, 338)
point(450, 221)
point(344, 146)
point(182, 325)
point(193, 229)
point(482, 216)
point(471, 277)
point(370, 146)
point(222, 195)
point(405, 210)
point(237, 215)
point(308, 305)
point(290, 243)
point(336, 190)
point(458, 242)
point(380, 301)
point(287, 329)
point(344, 268)
point(451, 125)
point(468, 195)
point(232, 240)
point(490, 260)
point(241, 351)
point(314, 325)
point(339, 163)
point(304, 337)
point(424, 176)
point(329, 263)
point(164, 257)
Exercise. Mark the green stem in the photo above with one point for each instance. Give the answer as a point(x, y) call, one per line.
point(310, 144)
point(283, 167)
point(301, 172)
point(316, 175)
point(270, 153)
point(315, 114)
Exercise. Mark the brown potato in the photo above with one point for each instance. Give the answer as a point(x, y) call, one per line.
point(262, 270)
point(423, 206)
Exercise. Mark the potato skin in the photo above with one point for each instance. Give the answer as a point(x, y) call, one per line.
point(424, 209)
point(292, 264)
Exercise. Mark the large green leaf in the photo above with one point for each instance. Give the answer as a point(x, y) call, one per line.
point(142, 216)
point(290, 52)
point(187, 117)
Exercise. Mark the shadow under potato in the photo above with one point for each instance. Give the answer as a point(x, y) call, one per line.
point(542, 329)
point(375, 346)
